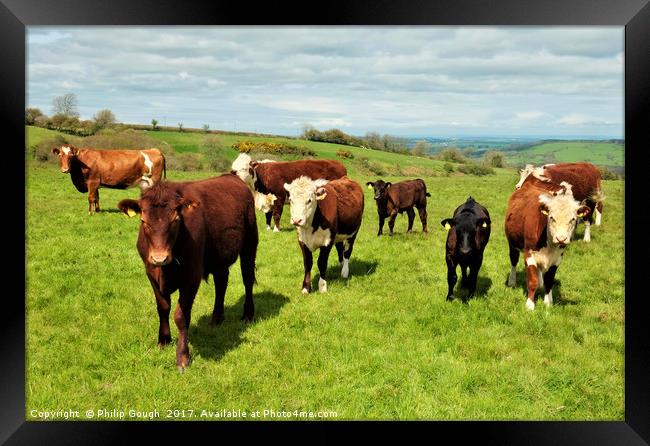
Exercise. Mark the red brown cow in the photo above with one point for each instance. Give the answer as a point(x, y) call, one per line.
point(188, 231)
point(584, 179)
point(91, 169)
point(325, 214)
point(268, 178)
point(397, 198)
point(540, 221)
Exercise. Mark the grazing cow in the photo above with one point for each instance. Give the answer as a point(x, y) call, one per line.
point(469, 232)
point(584, 179)
point(396, 198)
point(325, 214)
point(91, 169)
point(540, 222)
point(188, 231)
point(268, 179)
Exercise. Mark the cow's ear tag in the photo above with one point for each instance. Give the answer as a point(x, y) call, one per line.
point(544, 211)
point(131, 212)
point(447, 226)
point(484, 225)
point(369, 186)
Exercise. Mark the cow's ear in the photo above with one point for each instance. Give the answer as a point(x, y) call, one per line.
point(583, 211)
point(389, 184)
point(543, 209)
point(370, 185)
point(129, 207)
point(253, 164)
point(56, 150)
point(73, 150)
point(483, 222)
point(448, 223)
point(321, 193)
point(187, 204)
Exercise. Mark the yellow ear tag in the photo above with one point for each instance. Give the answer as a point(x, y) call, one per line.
point(484, 224)
point(447, 226)
point(369, 186)
point(544, 212)
point(130, 212)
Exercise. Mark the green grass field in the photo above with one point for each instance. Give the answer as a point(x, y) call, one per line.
point(383, 344)
point(599, 153)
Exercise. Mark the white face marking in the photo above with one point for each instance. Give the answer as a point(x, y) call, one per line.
point(512, 279)
point(303, 199)
point(598, 216)
point(562, 216)
point(241, 166)
point(65, 150)
point(530, 305)
point(345, 271)
point(264, 202)
point(322, 285)
point(548, 298)
point(148, 163)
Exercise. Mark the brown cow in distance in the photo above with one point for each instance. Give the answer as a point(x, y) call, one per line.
point(400, 197)
point(325, 214)
point(190, 230)
point(268, 178)
point(91, 169)
point(584, 179)
point(540, 220)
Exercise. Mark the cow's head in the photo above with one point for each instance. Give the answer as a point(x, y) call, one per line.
point(66, 154)
point(264, 202)
point(242, 168)
point(380, 188)
point(304, 193)
point(472, 232)
point(562, 212)
point(523, 174)
point(161, 209)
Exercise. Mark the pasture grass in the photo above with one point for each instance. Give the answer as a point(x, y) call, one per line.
point(601, 153)
point(383, 344)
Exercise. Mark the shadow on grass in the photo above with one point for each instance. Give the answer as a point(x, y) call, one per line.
point(357, 268)
point(483, 285)
point(213, 342)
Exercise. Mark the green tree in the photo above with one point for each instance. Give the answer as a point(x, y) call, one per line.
point(104, 119)
point(206, 127)
point(420, 148)
point(180, 126)
point(31, 114)
point(154, 123)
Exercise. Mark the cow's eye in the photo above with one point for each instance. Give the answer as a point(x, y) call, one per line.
point(309, 201)
point(552, 219)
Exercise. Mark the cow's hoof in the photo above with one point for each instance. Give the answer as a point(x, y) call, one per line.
point(268, 228)
point(276, 229)
point(305, 291)
point(182, 363)
point(247, 318)
point(450, 298)
point(322, 286)
point(530, 305)
point(217, 319)
point(164, 341)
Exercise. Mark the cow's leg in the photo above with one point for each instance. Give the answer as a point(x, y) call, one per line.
point(247, 263)
point(514, 259)
point(322, 267)
point(451, 276)
point(339, 249)
point(391, 221)
point(97, 199)
point(93, 196)
point(308, 261)
point(345, 270)
point(423, 218)
point(269, 216)
point(277, 212)
point(532, 280)
point(381, 225)
point(463, 279)
point(220, 277)
point(163, 304)
point(473, 275)
point(549, 281)
point(182, 317)
point(587, 236)
point(411, 216)
point(598, 212)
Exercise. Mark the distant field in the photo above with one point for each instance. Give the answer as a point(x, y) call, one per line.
point(599, 153)
point(383, 344)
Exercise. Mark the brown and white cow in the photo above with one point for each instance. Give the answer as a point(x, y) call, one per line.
point(268, 179)
point(540, 222)
point(584, 179)
point(188, 231)
point(400, 197)
point(91, 169)
point(326, 214)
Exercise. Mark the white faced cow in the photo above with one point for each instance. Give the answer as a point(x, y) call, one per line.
point(325, 214)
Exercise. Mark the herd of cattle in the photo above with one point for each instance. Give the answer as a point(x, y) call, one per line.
point(192, 229)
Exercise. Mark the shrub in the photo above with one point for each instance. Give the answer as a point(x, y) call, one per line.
point(43, 150)
point(452, 154)
point(32, 114)
point(494, 158)
point(272, 148)
point(448, 167)
point(607, 174)
point(126, 139)
point(476, 169)
point(342, 153)
point(214, 153)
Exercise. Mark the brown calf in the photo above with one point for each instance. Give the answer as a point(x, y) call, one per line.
point(584, 179)
point(91, 169)
point(325, 214)
point(396, 198)
point(540, 221)
point(188, 231)
point(268, 178)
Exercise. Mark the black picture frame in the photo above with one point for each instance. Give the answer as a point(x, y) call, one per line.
point(634, 15)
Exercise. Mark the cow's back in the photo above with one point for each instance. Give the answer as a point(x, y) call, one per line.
point(118, 168)
point(271, 177)
point(406, 194)
point(583, 177)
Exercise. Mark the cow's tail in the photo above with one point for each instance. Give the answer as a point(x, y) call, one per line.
point(597, 196)
point(164, 166)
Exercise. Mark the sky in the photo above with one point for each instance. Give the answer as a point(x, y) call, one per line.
point(437, 81)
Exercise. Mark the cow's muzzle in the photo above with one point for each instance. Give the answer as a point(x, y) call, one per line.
point(297, 221)
point(160, 259)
